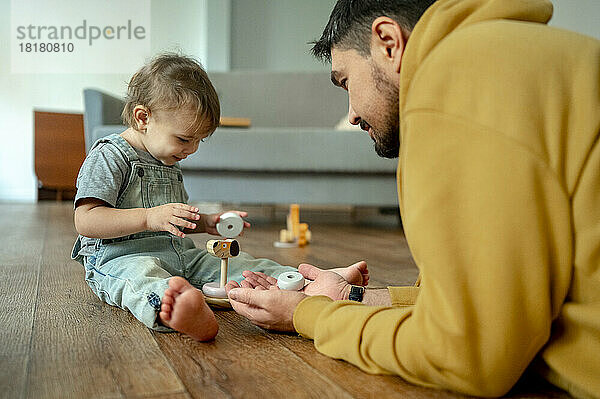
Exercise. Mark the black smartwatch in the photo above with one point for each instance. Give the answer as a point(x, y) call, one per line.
point(356, 293)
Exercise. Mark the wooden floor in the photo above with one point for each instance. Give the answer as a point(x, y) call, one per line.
point(57, 340)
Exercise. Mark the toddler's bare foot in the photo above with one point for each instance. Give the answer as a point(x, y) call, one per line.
point(185, 310)
point(356, 274)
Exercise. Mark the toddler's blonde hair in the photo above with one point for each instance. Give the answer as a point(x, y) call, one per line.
point(172, 81)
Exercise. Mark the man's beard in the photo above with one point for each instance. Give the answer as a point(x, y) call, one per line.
point(387, 138)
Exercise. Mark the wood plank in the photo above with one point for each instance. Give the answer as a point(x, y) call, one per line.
point(20, 260)
point(13, 372)
point(183, 395)
point(82, 347)
point(18, 288)
point(24, 230)
point(244, 361)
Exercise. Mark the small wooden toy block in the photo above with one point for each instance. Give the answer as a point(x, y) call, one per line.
point(228, 121)
point(296, 234)
point(230, 225)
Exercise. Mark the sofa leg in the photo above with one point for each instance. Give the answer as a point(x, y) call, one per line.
point(353, 214)
point(392, 211)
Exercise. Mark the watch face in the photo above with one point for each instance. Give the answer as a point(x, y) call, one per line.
point(356, 293)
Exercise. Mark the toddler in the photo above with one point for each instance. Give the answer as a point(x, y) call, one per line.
point(131, 209)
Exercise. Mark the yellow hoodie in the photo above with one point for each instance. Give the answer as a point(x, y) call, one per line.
point(499, 189)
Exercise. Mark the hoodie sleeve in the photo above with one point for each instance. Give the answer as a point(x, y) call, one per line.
point(489, 227)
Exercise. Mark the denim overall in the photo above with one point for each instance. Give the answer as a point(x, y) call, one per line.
point(132, 272)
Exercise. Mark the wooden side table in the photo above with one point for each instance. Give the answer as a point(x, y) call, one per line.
point(59, 150)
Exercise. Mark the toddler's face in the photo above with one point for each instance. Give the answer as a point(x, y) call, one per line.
point(172, 135)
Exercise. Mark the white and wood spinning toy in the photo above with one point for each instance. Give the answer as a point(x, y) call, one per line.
point(230, 225)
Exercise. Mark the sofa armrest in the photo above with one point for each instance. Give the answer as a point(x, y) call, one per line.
point(99, 109)
point(105, 130)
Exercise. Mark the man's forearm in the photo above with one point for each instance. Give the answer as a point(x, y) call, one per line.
point(377, 297)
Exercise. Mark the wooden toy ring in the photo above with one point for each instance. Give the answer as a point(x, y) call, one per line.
point(290, 281)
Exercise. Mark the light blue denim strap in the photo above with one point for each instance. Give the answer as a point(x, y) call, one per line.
point(123, 146)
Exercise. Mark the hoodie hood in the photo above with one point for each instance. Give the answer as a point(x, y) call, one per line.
point(446, 16)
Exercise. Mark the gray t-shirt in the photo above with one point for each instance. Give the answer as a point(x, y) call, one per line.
point(104, 175)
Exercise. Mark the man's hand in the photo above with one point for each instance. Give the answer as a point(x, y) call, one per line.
point(334, 283)
point(325, 282)
point(210, 222)
point(167, 217)
point(270, 309)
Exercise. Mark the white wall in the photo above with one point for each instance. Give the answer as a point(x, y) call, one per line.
point(273, 34)
point(176, 25)
point(581, 16)
point(218, 35)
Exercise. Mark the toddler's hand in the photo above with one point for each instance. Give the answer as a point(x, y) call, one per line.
point(258, 280)
point(210, 222)
point(167, 217)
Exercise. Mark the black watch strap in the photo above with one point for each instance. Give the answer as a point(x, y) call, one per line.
point(356, 293)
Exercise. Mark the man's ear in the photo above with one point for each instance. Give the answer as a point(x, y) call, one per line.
point(141, 115)
point(387, 42)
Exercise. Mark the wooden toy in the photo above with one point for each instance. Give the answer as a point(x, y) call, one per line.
point(296, 234)
point(215, 291)
point(230, 225)
point(290, 281)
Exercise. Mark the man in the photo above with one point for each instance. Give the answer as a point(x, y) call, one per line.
point(499, 188)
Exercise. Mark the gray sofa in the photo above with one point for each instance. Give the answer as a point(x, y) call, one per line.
point(290, 154)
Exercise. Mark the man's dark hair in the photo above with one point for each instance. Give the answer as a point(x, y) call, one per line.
point(349, 25)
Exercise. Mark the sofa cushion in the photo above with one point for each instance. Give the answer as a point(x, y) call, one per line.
point(282, 149)
point(289, 149)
